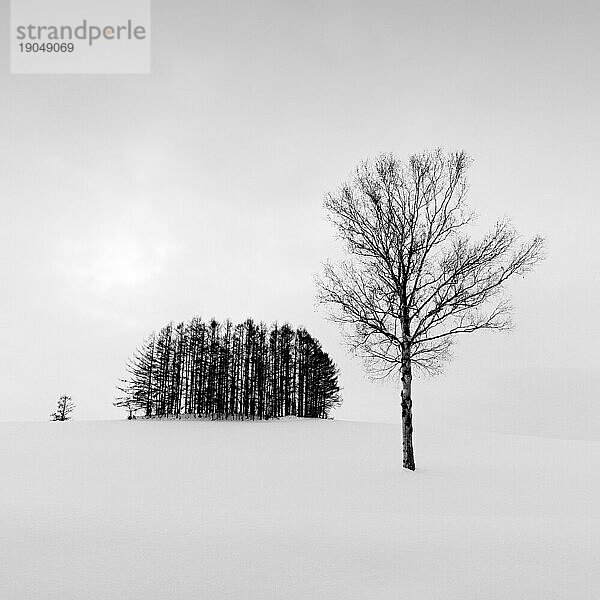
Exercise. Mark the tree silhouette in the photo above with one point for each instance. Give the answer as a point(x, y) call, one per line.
point(64, 409)
point(214, 370)
point(414, 280)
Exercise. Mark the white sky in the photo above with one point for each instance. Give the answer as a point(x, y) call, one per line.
point(128, 201)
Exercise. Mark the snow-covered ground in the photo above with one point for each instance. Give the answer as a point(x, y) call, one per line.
point(293, 510)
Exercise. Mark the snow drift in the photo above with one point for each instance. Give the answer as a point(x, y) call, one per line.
point(293, 509)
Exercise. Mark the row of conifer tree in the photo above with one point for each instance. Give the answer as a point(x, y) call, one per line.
point(215, 370)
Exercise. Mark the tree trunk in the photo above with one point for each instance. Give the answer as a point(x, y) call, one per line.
point(408, 457)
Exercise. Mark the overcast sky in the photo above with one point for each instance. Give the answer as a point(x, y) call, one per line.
point(130, 201)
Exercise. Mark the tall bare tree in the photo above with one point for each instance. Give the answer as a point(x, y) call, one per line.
point(414, 280)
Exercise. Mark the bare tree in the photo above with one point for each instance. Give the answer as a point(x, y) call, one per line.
point(414, 279)
point(64, 409)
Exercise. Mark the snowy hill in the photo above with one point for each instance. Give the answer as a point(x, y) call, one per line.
point(293, 510)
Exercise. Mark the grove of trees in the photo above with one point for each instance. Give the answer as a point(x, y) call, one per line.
point(221, 370)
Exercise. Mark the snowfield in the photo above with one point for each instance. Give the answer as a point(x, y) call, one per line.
point(293, 509)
